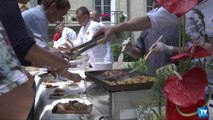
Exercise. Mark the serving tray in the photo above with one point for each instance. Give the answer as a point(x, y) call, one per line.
point(98, 78)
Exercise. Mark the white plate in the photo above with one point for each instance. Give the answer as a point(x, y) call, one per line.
point(67, 100)
point(70, 116)
point(36, 70)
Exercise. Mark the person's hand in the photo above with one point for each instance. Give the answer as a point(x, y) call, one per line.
point(63, 45)
point(60, 54)
point(108, 31)
point(161, 47)
point(30, 81)
point(127, 46)
point(66, 47)
point(65, 73)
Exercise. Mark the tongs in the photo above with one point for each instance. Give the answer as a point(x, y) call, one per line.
point(76, 51)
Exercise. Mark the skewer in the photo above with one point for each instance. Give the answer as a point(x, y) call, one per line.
point(151, 48)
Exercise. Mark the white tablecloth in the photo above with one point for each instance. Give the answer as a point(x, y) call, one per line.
point(44, 105)
point(48, 115)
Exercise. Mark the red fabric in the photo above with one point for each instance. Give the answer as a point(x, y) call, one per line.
point(189, 90)
point(199, 52)
point(56, 37)
point(178, 57)
point(172, 113)
point(178, 7)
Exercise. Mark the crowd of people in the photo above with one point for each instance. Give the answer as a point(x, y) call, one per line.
point(24, 42)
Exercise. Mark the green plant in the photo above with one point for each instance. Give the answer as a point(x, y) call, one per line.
point(74, 18)
point(116, 51)
point(156, 106)
point(157, 96)
point(123, 17)
point(141, 63)
point(50, 44)
point(198, 26)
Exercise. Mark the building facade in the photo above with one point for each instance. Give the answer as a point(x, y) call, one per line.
point(112, 12)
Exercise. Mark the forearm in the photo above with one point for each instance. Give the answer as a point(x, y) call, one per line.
point(42, 56)
point(136, 24)
point(177, 50)
point(16, 30)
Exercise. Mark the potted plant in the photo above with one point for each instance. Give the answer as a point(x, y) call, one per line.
point(123, 17)
point(174, 84)
point(73, 17)
point(105, 16)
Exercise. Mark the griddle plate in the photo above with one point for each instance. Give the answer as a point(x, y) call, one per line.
point(98, 78)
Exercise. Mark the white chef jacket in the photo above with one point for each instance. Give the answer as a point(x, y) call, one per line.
point(97, 53)
point(37, 25)
point(109, 56)
point(68, 34)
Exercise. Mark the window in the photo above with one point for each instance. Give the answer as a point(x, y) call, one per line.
point(149, 5)
point(103, 7)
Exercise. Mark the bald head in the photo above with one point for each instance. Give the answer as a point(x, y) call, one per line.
point(94, 15)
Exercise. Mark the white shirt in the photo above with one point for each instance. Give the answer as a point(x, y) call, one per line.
point(109, 56)
point(97, 53)
point(37, 25)
point(68, 34)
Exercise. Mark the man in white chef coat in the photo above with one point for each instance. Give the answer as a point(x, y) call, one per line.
point(67, 34)
point(99, 53)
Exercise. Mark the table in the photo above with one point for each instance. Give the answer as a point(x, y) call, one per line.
point(44, 105)
point(48, 115)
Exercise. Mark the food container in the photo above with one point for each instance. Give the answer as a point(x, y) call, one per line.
point(102, 66)
point(116, 102)
point(80, 61)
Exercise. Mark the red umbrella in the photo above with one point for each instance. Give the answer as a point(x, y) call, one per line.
point(178, 7)
point(199, 52)
point(189, 90)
